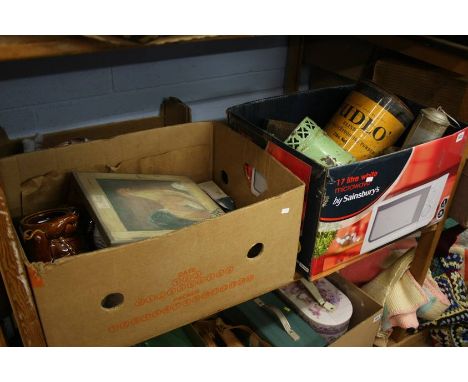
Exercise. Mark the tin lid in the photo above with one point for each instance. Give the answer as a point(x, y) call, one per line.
point(436, 115)
point(383, 97)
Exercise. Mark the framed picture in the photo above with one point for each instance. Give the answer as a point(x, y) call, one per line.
point(131, 207)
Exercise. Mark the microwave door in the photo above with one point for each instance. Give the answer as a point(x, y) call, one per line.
point(403, 214)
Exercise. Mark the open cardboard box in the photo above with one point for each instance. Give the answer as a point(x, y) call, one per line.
point(166, 281)
point(367, 314)
point(374, 201)
point(362, 328)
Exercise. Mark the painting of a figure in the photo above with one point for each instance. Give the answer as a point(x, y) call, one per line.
point(153, 205)
point(130, 207)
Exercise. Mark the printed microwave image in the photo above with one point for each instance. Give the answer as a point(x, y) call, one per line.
point(403, 213)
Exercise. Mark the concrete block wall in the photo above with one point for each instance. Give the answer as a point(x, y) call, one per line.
point(209, 83)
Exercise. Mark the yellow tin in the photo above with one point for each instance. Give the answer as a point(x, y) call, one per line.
point(369, 120)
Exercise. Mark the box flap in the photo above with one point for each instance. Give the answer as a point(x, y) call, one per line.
point(105, 155)
point(172, 112)
point(366, 316)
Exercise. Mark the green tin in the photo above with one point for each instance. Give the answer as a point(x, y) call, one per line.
point(309, 139)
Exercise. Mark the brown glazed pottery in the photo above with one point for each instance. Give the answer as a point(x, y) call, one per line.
point(51, 234)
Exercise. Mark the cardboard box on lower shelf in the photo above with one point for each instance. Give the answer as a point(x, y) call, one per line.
point(366, 316)
point(126, 294)
point(274, 319)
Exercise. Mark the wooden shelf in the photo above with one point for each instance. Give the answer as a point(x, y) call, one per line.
point(29, 47)
point(446, 55)
point(33, 47)
point(344, 264)
point(421, 339)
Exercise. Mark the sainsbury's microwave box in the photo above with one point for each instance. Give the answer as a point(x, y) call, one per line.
point(123, 295)
point(356, 208)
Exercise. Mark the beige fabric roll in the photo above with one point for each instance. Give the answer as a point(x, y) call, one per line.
point(380, 288)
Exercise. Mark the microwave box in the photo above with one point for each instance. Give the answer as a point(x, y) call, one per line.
point(163, 282)
point(354, 209)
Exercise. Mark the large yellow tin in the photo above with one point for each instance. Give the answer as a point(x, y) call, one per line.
point(369, 120)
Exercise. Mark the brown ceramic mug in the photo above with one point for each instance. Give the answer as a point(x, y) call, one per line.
point(51, 234)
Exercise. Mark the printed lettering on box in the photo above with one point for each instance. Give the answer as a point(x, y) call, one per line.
point(185, 290)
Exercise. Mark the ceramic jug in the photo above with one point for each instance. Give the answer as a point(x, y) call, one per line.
point(51, 234)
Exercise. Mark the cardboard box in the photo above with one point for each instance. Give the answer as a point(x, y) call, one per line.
point(367, 314)
point(168, 281)
point(359, 207)
point(362, 329)
point(425, 85)
point(172, 112)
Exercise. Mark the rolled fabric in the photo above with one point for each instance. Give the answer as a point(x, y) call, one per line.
point(438, 301)
point(405, 298)
point(380, 288)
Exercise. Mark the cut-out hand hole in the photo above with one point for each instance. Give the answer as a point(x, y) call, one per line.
point(255, 251)
point(112, 300)
point(224, 177)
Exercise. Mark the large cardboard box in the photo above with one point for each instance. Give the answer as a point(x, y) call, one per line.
point(166, 281)
point(356, 208)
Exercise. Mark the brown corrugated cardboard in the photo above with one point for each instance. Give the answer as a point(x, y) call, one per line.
point(172, 112)
point(426, 86)
point(168, 281)
point(366, 317)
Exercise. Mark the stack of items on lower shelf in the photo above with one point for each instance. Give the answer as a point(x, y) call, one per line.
point(404, 300)
point(330, 312)
point(293, 316)
point(439, 304)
